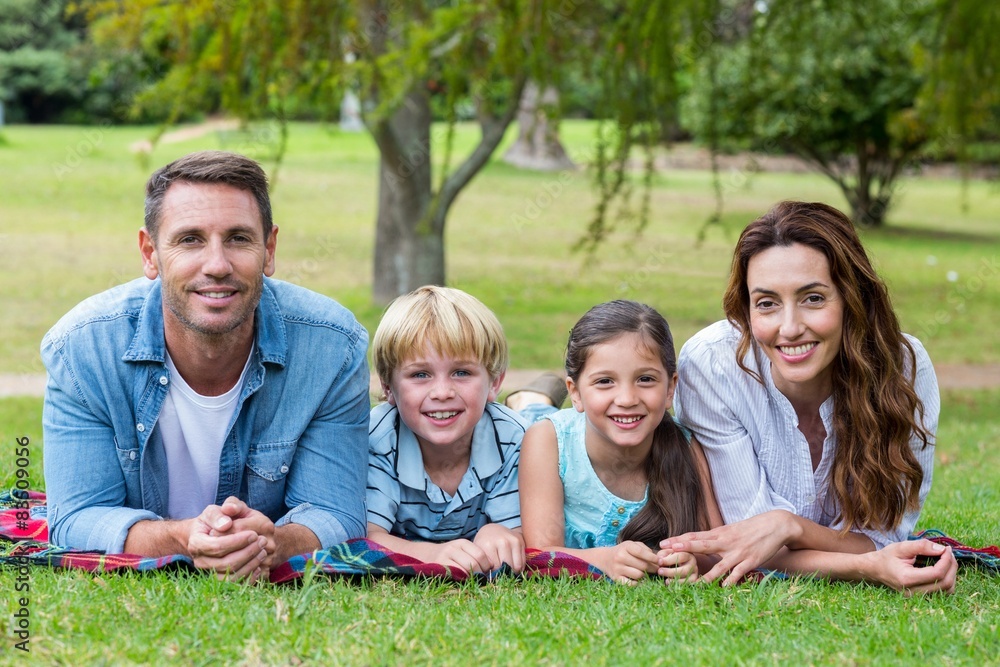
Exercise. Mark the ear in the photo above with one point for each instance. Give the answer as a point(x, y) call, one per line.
point(671, 389)
point(387, 391)
point(574, 394)
point(495, 387)
point(270, 243)
point(147, 248)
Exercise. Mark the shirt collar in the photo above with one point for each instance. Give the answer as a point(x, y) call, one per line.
point(148, 343)
point(485, 459)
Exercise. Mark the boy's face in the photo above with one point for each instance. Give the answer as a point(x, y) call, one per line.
point(442, 398)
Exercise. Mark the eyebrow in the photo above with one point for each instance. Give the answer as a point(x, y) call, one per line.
point(804, 288)
point(249, 230)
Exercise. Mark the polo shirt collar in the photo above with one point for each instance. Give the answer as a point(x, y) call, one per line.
point(485, 459)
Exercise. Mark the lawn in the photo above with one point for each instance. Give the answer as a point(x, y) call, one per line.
point(70, 206)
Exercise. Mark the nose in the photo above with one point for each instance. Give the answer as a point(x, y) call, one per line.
point(792, 325)
point(442, 388)
point(216, 260)
point(626, 396)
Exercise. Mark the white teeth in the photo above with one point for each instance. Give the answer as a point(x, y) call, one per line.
point(216, 295)
point(626, 420)
point(441, 415)
point(797, 350)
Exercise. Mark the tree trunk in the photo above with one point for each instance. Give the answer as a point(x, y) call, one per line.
point(868, 211)
point(538, 146)
point(409, 250)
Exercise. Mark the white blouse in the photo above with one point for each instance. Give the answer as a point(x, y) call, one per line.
point(759, 459)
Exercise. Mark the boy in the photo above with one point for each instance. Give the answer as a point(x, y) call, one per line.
point(442, 463)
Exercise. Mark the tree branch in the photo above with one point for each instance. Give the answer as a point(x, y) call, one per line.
point(493, 130)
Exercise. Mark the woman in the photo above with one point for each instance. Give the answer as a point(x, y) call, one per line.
point(816, 413)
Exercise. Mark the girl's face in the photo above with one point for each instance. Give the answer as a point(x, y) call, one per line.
point(796, 316)
point(624, 390)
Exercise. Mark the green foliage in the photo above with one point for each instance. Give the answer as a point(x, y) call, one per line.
point(836, 83)
point(39, 73)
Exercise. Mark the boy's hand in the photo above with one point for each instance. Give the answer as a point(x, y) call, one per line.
point(502, 545)
point(462, 554)
point(628, 562)
point(677, 565)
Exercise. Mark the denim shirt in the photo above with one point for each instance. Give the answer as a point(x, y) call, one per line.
point(296, 449)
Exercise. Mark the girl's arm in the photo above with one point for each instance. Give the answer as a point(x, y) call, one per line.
point(542, 521)
point(540, 488)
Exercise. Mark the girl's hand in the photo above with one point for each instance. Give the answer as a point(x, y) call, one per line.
point(628, 562)
point(741, 546)
point(677, 566)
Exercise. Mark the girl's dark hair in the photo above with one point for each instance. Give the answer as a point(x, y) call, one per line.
point(675, 501)
point(875, 477)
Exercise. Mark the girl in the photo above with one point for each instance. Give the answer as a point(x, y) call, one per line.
point(816, 412)
point(613, 476)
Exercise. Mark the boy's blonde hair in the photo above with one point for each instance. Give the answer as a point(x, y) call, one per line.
point(447, 320)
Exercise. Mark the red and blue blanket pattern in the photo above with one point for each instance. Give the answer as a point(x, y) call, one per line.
point(24, 540)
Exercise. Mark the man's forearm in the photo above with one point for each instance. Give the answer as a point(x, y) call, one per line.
point(159, 538)
point(292, 539)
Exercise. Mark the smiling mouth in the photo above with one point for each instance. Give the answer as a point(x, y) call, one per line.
point(626, 420)
point(216, 295)
point(442, 415)
point(796, 350)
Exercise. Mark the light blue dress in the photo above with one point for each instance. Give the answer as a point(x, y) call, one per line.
point(593, 515)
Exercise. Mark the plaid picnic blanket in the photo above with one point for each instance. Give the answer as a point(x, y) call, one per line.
point(23, 540)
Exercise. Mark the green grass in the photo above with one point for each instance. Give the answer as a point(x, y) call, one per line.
point(183, 618)
point(71, 204)
point(68, 233)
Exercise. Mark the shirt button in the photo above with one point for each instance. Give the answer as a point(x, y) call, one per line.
point(621, 510)
point(140, 427)
point(810, 499)
point(614, 524)
point(163, 380)
point(284, 469)
point(131, 456)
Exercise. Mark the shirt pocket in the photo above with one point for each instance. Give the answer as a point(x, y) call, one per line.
point(268, 465)
point(128, 458)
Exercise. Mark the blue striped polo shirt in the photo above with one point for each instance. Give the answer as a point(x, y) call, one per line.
point(403, 500)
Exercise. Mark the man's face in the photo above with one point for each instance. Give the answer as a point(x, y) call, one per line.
point(211, 256)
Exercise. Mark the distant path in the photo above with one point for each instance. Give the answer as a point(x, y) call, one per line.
point(950, 376)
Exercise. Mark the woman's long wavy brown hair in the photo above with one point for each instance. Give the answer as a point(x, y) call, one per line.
point(875, 477)
point(675, 502)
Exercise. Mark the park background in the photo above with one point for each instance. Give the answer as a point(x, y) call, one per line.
point(73, 162)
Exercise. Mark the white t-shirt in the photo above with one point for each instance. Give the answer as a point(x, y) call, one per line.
point(193, 429)
point(749, 431)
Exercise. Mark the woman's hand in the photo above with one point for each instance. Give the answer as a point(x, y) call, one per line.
point(677, 565)
point(894, 566)
point(741, 546)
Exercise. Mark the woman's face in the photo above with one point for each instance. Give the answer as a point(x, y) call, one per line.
point(796, 316)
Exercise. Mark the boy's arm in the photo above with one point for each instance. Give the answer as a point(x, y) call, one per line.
point(462, 554)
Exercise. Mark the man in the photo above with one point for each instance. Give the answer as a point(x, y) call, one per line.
point(207, 409)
